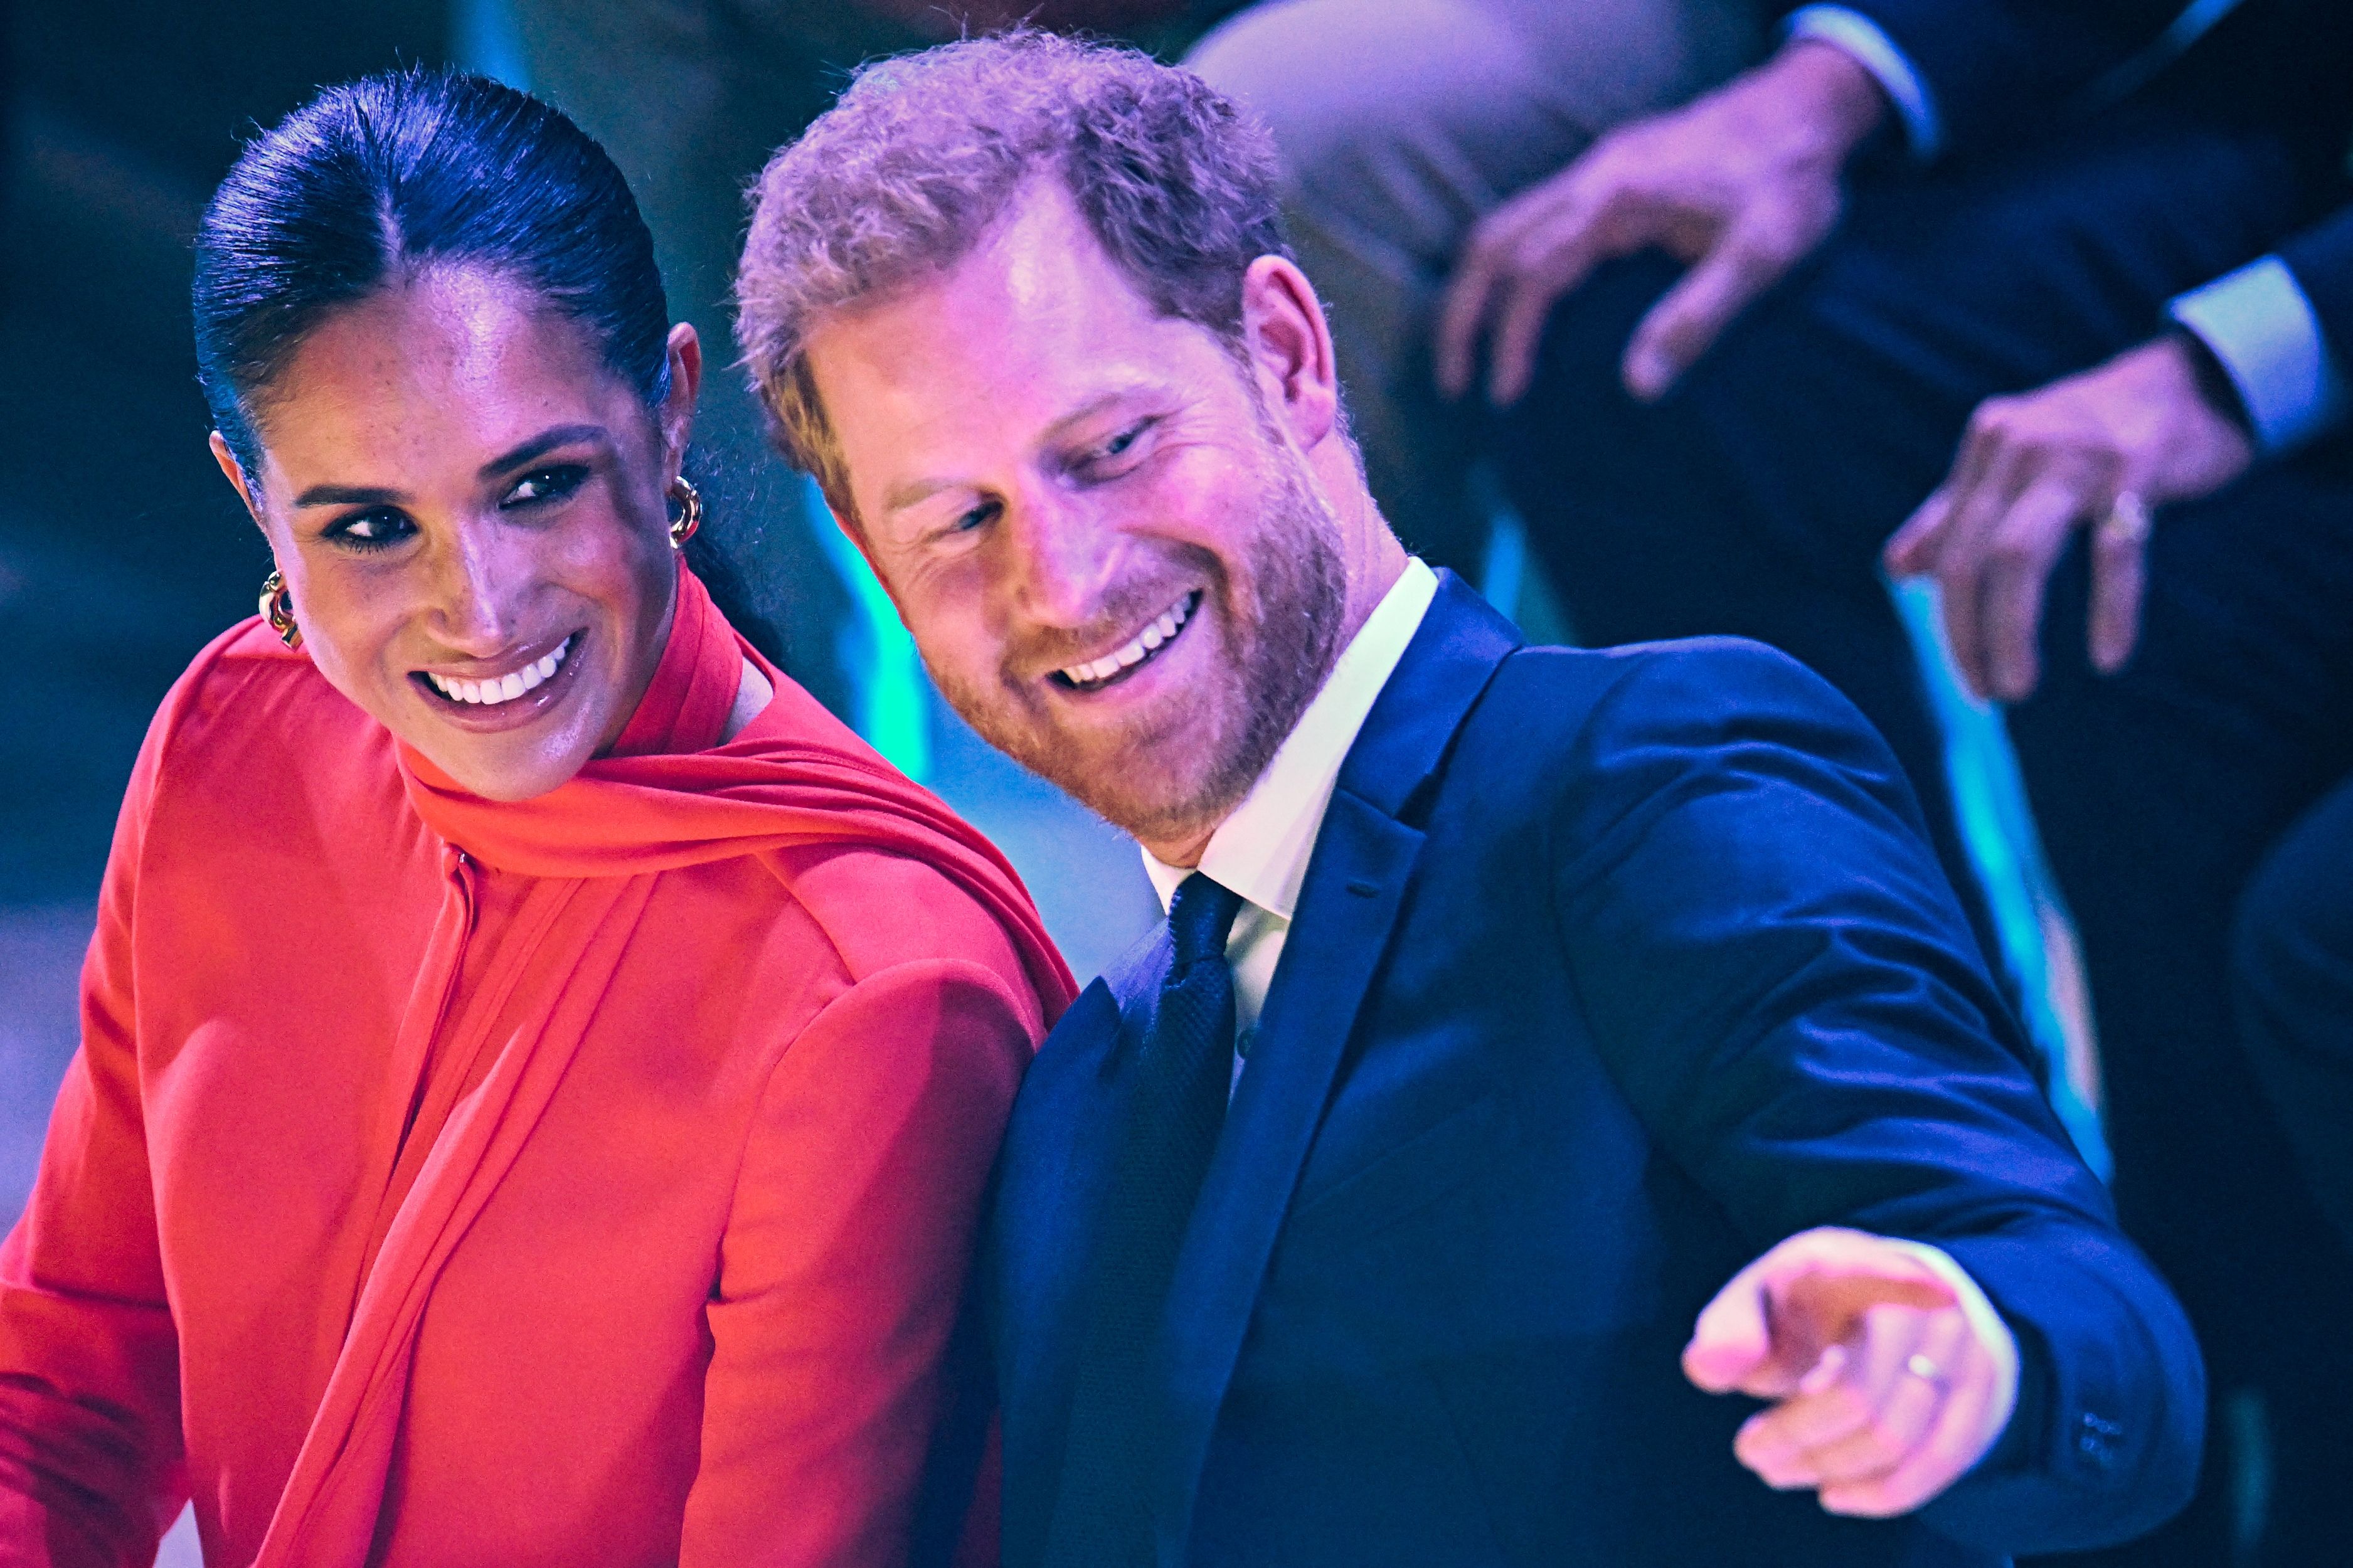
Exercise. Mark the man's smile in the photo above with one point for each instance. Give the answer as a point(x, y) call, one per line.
point(1133, 654)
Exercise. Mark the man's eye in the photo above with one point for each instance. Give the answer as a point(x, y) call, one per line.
point(975, 517)
point(545, 485)
point(1118, 445)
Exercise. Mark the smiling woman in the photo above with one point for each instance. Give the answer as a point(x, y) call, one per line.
point(538, 1070)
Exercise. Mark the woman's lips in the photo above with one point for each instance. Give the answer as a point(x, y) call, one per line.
point(491, 693)
point(538, 685)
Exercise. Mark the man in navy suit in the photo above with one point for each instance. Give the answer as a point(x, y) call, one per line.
point(1565, 1118)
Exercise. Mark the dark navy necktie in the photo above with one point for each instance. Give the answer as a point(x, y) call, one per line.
point(1174, 1108)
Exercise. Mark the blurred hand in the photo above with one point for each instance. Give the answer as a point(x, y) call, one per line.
point(1891, 1381)
point(2106, 446)
point(1741, 183)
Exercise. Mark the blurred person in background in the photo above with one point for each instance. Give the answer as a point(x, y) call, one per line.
point(538, 1071)
point(2052, 303)
point(1400, 125)
point(1380, 1207)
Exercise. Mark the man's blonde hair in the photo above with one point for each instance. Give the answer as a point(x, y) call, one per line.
point(902, 178)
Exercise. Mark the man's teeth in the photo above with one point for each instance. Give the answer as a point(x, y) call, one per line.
point(506, 689)
point(1150, 637)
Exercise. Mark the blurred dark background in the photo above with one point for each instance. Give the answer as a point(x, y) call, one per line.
point(121, 550)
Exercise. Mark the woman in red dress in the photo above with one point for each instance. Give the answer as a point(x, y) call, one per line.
point(538, 1070)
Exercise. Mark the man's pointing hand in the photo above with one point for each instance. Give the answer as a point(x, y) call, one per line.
point(1892, 1372)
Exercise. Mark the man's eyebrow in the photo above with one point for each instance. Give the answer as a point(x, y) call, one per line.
point(538, 445)
point(910, 492)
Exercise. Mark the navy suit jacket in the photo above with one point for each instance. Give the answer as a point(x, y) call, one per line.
point(1612, 970)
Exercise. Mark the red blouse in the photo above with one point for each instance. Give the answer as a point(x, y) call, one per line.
point(590, 1179)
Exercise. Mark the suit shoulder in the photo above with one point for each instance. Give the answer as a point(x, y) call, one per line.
point(1551, 700)
point(1604, 738)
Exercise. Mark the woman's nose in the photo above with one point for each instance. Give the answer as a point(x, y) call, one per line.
point(477, 588)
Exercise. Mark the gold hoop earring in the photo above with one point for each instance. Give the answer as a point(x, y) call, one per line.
point(690, 512)
point(278, 609)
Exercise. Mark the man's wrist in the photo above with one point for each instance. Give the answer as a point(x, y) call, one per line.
point(1830, 90)
point(2215, 388)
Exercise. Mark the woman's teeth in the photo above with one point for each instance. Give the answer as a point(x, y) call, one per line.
point(490, 693)
point(1096, 671)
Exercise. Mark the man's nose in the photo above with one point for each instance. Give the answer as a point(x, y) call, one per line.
point(1062, 554)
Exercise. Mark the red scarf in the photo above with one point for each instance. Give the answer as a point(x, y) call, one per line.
point(669, 794)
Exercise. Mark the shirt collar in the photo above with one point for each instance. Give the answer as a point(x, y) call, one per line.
point(1261, 851)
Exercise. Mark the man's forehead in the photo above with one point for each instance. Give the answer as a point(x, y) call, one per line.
point(1037, 324)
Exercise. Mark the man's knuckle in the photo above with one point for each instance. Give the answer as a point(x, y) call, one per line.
point(2011, 550)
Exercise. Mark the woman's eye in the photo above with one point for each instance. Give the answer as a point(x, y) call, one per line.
point(371, 530)
point(545, 485)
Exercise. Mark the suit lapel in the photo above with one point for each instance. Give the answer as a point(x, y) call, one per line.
point(1054, 1176)
point(1355, 887)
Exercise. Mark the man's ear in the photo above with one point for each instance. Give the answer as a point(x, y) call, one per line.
point(1291, 345)
point(235, 471)
point(685, 351)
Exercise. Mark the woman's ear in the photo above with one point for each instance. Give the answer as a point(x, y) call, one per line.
point(1291, 345)
point(685, 351)
point(235, 471)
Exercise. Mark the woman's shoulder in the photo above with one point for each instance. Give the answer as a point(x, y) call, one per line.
point(246, 703)
point(880, 906)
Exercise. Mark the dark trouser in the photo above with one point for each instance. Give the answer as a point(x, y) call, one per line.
point(1753, 500)
point(2293, 967)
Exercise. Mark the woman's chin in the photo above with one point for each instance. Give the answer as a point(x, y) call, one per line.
point(505, 767)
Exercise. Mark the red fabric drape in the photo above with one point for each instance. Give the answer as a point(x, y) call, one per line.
point(667, 796)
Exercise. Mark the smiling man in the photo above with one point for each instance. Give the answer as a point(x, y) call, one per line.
point(1543, 1044)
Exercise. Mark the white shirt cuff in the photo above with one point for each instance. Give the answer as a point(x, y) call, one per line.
point(1858, 37)
point(2262, 328)
point(1991, 1333)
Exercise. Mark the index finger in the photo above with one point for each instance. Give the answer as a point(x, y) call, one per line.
point(1686, 322)
point(1732, 1339)
point(1559, 220)
point(1461, 313)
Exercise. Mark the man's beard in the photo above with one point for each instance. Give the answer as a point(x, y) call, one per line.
point(1171, 780)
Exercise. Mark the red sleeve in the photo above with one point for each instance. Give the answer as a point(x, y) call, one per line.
point(843, 1267)
point(89, 1414)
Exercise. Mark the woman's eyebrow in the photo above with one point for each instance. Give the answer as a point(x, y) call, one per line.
point(544, 442)
point(349, 495)
point(379, 495)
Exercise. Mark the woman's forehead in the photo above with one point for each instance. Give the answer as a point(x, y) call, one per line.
point(448, 362)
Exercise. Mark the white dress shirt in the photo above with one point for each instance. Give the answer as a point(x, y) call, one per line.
point(1261, 851)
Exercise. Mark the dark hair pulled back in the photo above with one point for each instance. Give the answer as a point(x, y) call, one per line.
point(375, 181)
